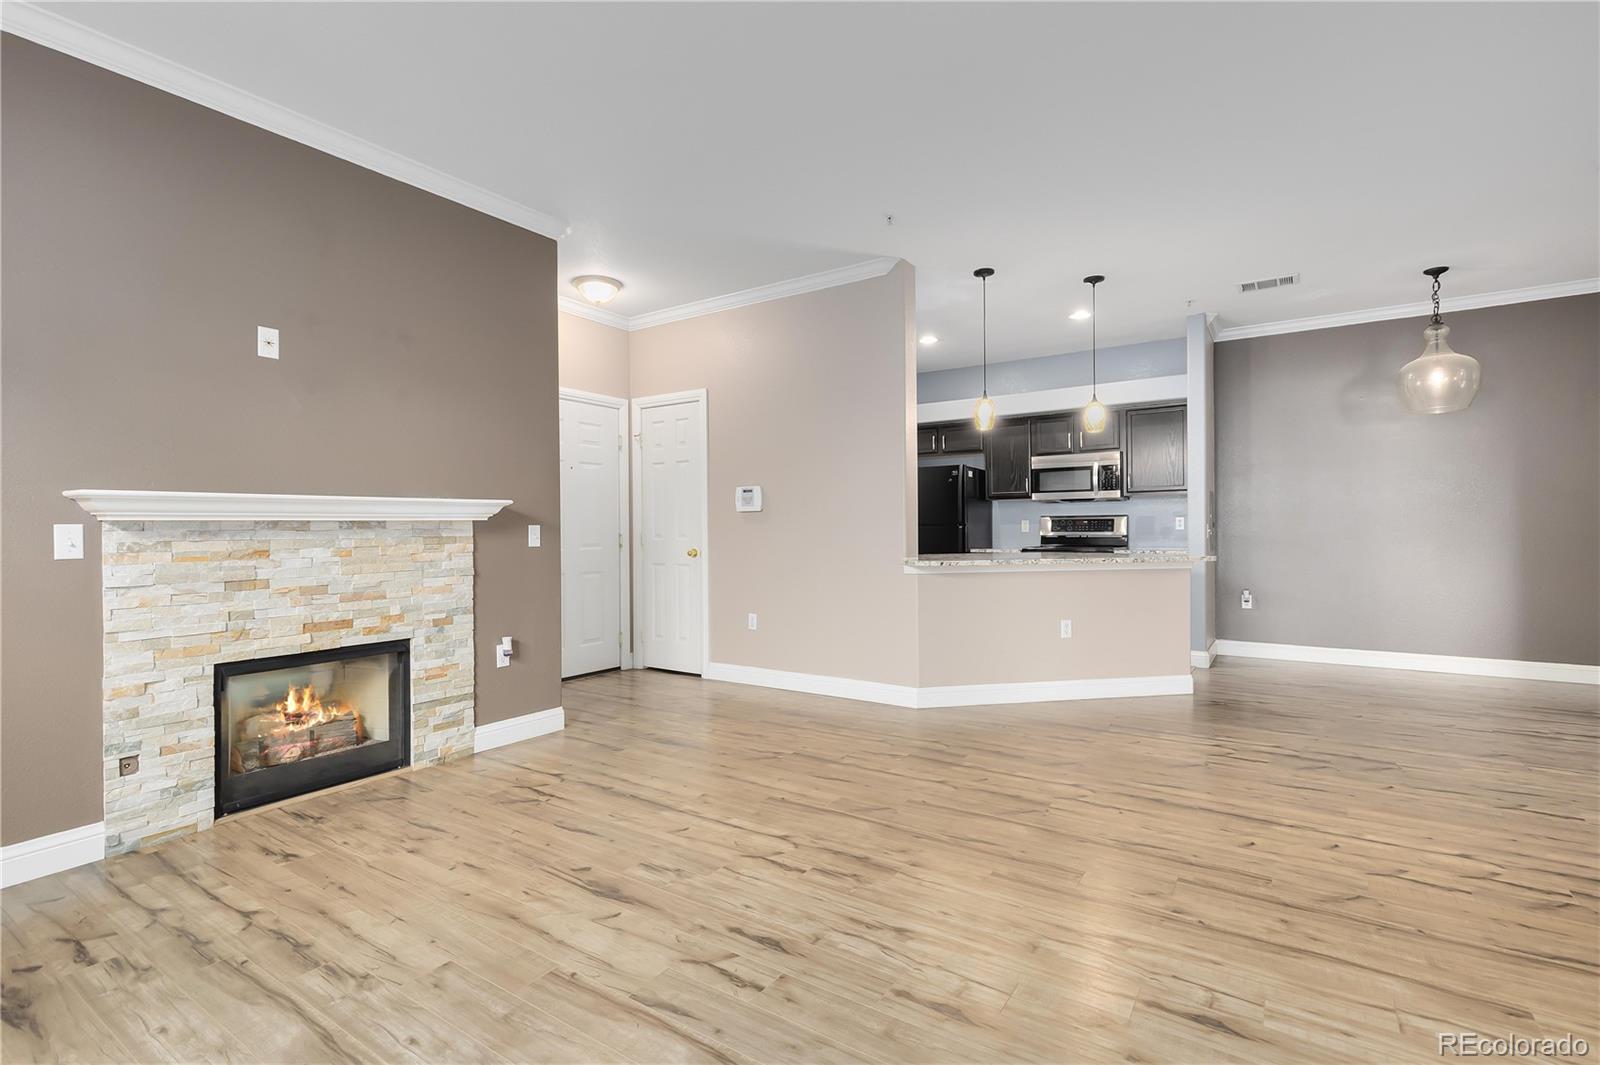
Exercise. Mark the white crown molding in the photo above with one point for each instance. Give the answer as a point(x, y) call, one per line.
point(30, 859)
point(870, 691)
point(580, 309)
point(795, 286)
point(516, 729)
point(116, 504)
point(77, 40)
point(1473, 667)
point(1412, 310)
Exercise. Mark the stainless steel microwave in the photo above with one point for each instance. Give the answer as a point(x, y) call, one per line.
point(1087, 475)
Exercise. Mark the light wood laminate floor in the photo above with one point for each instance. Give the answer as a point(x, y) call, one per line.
point(1298, 863)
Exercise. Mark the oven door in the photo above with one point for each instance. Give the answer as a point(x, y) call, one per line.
point(1091, 475)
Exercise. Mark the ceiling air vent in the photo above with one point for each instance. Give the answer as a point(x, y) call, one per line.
point(1269, 282)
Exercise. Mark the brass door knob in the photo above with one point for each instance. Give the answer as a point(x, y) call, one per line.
point(694, 552)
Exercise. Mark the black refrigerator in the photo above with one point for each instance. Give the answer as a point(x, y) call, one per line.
point(953, 510)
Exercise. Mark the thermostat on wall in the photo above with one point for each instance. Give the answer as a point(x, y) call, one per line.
point(747, 497)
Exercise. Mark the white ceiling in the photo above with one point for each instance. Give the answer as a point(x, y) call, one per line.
point(700, 149)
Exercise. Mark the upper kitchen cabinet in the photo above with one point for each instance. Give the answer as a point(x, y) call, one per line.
point(955, 438)
point(1064, 434)
point(1009, 459)
point(1157, 449)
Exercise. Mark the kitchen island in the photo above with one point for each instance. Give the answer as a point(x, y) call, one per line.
point(1052, 625)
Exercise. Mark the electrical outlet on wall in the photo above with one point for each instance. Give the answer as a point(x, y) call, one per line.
point(534, 536)
point(1024, 524)
point(1180, 523)
point(1066, 628)
point(750, 621)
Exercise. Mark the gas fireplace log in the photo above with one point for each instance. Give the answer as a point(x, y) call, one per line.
point(262, 740)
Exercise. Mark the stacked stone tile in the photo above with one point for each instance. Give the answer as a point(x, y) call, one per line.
point(180, 597)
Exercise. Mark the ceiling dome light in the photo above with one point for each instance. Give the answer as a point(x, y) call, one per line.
point(1439, 381)
point(597, 288)
point(1094, 415)
point(927, 340)
point(983, 411)
point(1082, 314)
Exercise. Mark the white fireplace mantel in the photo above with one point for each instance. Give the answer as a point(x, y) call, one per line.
point(119, 504)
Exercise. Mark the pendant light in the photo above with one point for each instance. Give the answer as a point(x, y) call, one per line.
point(1094, 415)
point(1439, 381)
point(983, 412)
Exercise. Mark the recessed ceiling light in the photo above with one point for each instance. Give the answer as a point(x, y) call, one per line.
point(1080, 315)
point(927, 340)
point(597, 288)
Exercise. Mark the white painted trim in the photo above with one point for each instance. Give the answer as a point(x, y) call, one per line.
point(33, 858)
point(1203, 659)
point(1472, 667)
point(1174, 387)
point(516, 729)
point(636, 469)
point(579, 309)
point(795, 286)
point(867, 691)
point(1412, 310)
point(122, 504)
point(951, 695)
point(624, 505)
point(75, 39)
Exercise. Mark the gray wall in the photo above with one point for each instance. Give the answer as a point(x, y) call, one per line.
point(1356, 524)
point(145, 239)
point(1157, 358)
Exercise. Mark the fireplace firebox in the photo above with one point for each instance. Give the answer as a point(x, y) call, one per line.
point(296, 723)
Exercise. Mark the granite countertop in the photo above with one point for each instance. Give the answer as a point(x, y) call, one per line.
point(1012, 560)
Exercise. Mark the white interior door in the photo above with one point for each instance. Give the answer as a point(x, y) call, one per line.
point(672, 537)
point(591, 535)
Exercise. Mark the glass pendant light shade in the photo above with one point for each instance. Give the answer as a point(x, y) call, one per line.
point(1094, 416)
point(983, 413)
point(1439, 381)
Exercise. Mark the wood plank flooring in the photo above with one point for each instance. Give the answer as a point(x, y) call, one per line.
point(1299, 863)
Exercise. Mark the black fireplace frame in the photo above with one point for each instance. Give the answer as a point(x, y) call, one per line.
point(275, 783)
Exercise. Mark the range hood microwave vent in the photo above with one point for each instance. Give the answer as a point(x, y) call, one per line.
point(1269, 282)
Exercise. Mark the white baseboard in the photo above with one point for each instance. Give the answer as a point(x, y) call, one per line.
point(869, 691)
point(516, 729)
point(1203, 659)
point(1472, 667)
point(33, 858)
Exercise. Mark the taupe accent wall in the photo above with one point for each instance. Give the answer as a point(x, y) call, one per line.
point(1356, 524)
point(811, 398)
point(144, 240)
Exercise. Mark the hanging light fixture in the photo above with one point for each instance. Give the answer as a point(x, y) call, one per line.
point(1094, 415)
point(983, 412)
point(1439, 381)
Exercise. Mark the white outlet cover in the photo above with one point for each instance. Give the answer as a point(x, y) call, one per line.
point(750, 622)
point(267, 342)
point(1180, 523)
point(533, 536)
point(1024, 524)
point(1066, 629)
point(69, 541)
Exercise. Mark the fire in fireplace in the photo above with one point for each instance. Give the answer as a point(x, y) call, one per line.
point(295, 723)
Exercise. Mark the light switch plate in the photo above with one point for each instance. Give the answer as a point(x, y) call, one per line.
point(69, 541)
point(1180, 524)
point(266, 342)
point(750, 622)
point(1066, 629)
point(533, 536)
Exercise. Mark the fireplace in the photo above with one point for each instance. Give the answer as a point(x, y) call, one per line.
point(296, 723)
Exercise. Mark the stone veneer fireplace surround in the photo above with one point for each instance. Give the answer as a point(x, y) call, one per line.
point(194, 579)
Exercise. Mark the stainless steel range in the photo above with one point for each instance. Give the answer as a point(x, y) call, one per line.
point(1102, 533)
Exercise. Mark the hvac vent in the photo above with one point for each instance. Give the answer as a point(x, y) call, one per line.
point(1269, 282)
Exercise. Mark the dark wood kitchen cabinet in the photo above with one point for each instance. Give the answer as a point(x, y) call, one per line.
point(1157, 449)
point(1009, 459)
point(952, 438)
point(927, 440)
point(1064, 434)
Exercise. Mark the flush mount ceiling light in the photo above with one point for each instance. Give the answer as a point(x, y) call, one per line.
point(983, 412)
point(1094, 415)
point(597, 288)
point(1082, 314)
point(1439, 381)
point(927, 340)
